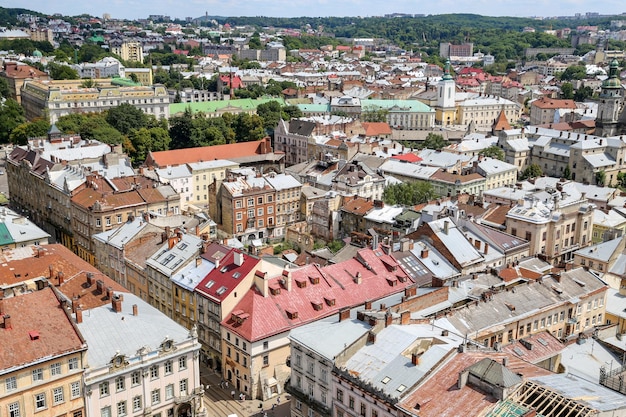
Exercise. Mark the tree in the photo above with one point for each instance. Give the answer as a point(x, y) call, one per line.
point(4, 88)
point(126, 117)
point(134, 77)
point(271, 113)
point(621, 179)
point(24, 131)
point(434, 141)
point(409, 193)
point(493, 152)
point(600, 178)
point(531, 171)
point(11, 116)
point(567, 91)
point(62, 72)
point(144, 140)
point(567, 173)
point(583, 93)
point(180, 130)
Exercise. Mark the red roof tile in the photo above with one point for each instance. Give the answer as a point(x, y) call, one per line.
point(40, 328)
point(175, 157)
point(376, 128)
point(409, 157)
point(439, 396)
point(317, 292)
point(227, 275)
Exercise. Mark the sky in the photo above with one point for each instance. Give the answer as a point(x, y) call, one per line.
point(135, 9)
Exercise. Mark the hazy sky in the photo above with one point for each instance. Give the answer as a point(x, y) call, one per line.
point(133, 9)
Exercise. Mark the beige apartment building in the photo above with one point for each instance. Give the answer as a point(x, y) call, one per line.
point(56, 98)
point(556, 228)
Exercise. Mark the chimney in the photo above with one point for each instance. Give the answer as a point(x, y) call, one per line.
point(505, 361)
point(7, 321)
point(90, 279)
point(51, 270)
point(79, 315)
point(100, 286)
point(388, 318)
point(135, 310)
point(359, 278)
point(415, 359)
point(424, 253)
point(405, 317)
point(116, 302)
point(486, 248)
point(477, 244)
point(198, 261)
point(172, 241)
point(445, 226)
point(368, 305)
point(238, 258)
point(60, 277)
point(344, 314)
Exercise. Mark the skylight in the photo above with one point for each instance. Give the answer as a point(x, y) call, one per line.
point(210, 284)
point(401, 388)
point(386, 379)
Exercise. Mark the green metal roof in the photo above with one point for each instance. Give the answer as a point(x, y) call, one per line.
point(409, 105)
point(124, 82)
point(244, 104)
point(314, 108)
point(5, 236)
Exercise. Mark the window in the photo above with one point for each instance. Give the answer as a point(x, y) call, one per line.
point(363, 409)
point(324, 375)
point(351, 402)
point(169, 391)
point(104, 389)
point(259, 211)
point(137, 403)
point(183, 387)
point(40, 401)
point(75, 390)
point(14, 410)
point(119, 218)
point(105, 411)
point(73, 364)
point(11, 383)
point(266, 360)
point(121, 408)
point(168, 367)
point(182, 363)
point(323, 397)
point(339, 395)
point(98, 222)
point(237, 203)
point(251, 202)
point(298, 405)
point(265, 345)
point(154, 372)
point(119, 383)
point(239, 216)
point(310, 413)
point(37, 374)
point(55, 369)
point(311, 367)
point(57, 395)
point(156, 396)
point(135, 378)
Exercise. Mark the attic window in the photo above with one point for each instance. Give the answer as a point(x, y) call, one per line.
point(210, 284)
point(401, 278)
point(33, 334)
point(275, 290)
point(329, 301)
point(301, 283)
point(221, 290)
point(317, 306)
point(237, 274)
point(292, 314)
point(314, 280)
point(392, 282)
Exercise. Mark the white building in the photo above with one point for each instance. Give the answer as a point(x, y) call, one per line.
point(139, 361)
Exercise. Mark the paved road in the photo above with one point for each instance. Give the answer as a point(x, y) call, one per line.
point(219, 402)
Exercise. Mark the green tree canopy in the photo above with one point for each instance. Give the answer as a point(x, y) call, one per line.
point(434, 141)
point(126, 117)
point(493, 152)
point(409, 193)
point(24, 131)
point(531, 171)
point(11, 116)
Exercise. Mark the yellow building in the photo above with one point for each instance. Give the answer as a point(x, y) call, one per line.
point(128, 51)
point(43, 374)
point(144, 75)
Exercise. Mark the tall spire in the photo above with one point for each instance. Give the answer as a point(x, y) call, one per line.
point(447, 75)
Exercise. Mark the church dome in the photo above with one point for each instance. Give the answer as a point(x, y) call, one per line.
point(37, 53)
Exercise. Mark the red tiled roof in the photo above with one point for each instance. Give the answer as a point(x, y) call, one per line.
point(36, 314)
point(376, 128)
point(357, 205)
point(316, 293)
point(23, 71)
point(552, 103)
point(440, 397)
point(227, 275)
point(409, 157)
point(509, 274)
point(175, 157)
point(534, 350)
point(48, 261)
point(236, 80)
point(501, 123)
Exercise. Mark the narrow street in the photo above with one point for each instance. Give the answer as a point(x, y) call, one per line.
point(219, 401)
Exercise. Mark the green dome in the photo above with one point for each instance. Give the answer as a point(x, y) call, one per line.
point(613, 81)
point(37, 53)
